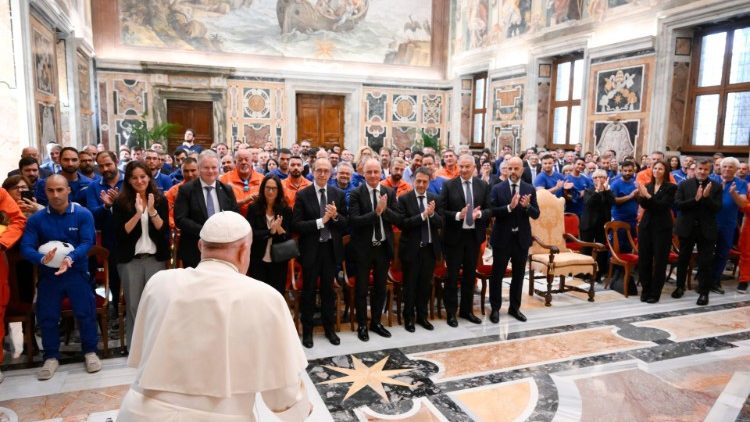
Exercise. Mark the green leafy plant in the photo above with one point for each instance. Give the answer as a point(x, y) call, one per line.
point(427, 140)
point(146, 137)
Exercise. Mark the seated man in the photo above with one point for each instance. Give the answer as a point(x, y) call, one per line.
point(227, 313)
point(61, 276)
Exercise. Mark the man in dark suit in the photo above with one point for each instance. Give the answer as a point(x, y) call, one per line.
point(464, 202)
point(513, 203)
point(320, 220)
point(196, 201)
point(371, 212)
point(419, 247)
point(698, 200)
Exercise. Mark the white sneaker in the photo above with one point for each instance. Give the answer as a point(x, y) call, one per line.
point(93, 364)
point(48, 370)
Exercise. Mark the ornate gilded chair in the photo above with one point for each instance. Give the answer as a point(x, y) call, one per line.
point(549, 254)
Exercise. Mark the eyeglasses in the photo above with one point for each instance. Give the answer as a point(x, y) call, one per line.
point(271, 188)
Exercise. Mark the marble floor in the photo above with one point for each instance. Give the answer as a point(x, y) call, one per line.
point(616, 359)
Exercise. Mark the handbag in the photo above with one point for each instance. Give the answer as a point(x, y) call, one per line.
point(284, 251)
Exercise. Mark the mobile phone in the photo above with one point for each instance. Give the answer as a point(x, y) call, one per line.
point(27, 194)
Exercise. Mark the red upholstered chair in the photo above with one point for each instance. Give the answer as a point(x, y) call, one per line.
point(436, 299)
point(572, 223)
point(101, 278)
point(484, 273)
point(628, 261)
point(294, 280)
point(18, 310)
point(396, 278)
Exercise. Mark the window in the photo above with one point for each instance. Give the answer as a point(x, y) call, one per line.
point(478, 110)
point(719, 99)
point(565, 104)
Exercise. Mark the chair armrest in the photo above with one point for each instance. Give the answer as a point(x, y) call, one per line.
point(593, 245)
point(552, 248)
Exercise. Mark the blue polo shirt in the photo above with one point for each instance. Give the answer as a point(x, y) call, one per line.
point(627, 211)
point(580, 184)
point(278, 173)
point(679, 175)
point(74, 226)
point(436, 185)
point(76, 187)
point(348, 190)
point(163, 182)
point(727, 215)
point(102, 216)
point(547, 181)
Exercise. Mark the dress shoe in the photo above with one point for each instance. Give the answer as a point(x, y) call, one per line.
point(409, 325)
point(332, 337)
point(380, 330)
point(452, 321)
point(471, 318)
point(517, 315)
point(644, 298)
point(652, 300)
point(718, 289)
point(307, 339)
point(425, 324)
point(678, 292)
point(362, 333)
point(702, 300)
point(495, 316)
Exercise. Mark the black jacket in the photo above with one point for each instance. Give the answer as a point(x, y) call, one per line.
point(657, 215)
point(452, 201)
point(257, 219)
point(363, 218)
point(411, 225)
point(519, 217)
point(307, 211)
point(125, 249)
point(597, 209)
point(697, 215)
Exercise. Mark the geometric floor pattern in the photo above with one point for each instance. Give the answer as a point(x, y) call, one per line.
point(615, 359)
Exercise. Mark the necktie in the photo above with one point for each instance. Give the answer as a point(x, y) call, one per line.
point(210, 206)
point(469, 205)
point(378, 232)
point(325, 233)
point(513, 190)
point(425, 238)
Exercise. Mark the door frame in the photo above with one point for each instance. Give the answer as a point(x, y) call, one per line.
point(216, 96)
point(352, 93)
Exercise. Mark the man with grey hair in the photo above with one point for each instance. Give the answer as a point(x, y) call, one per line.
point(198, 200)
point(464, 202)
point(226, 312)
point(52, 164)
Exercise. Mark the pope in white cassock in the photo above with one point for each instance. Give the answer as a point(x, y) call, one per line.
point(207, 339)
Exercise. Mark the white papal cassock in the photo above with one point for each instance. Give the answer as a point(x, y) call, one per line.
point(206, 340)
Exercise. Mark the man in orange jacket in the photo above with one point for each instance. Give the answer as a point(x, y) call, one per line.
point(189, 172)
point(12, 223)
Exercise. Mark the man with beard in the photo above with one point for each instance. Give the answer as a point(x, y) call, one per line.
point(28, 167)
point(31, 152)
point(548, 178)
point(343, 179)
point(86, 165)
point(189, 172)
point(385, 161)
point(179, 156)
point(395, 181)
point(76, 181)
point(188, 143)
point(436, 183)
point(100, 195)
point(450, 169)
point(416, 162)
point(227, 164)
point(295, 182)
point(625, 209)
point(244, 180)
point(574, 193)
point(283, 171)
point(162, 181)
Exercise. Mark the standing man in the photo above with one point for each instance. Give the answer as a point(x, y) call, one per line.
point(69, 169)
point(294, 182)
point(343, 179)
point(62, 273)
point(372, 211)
point(416, 162)
point(419, 247)
point(227, 164)
point(320, 219)
point(385, 160)
point(28, 167)
point(464, 202)
point(513, 203)
point(394, 180)
point(15, 224)
point(52, 166)
point(449, 170)
point(226, 312)
point(548, 178)
point(576, 184)
point(188, 143)
point(436, 183)
point(283, 171)
point(197, 201)
point(86, 165)
point(190, 173)
point(625, 208)
point(179, 156)
point(244, 180)
point(162, 181)
point(698, 200)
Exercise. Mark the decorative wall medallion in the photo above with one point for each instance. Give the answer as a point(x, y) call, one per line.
point(619, 90)
point(432, 108)
point(257, 103)
point(508, 103)
point(376, 105)
point(405, 108)
point(257, 134)
point(130, 97)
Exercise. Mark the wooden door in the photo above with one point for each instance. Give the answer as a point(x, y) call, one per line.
point(320, 119)
point(197, 115)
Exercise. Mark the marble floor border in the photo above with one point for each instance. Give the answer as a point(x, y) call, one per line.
point(525, 415)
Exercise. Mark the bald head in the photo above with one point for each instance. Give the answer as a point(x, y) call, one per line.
point(57, 190)
point(515, 169)
point(372, 172)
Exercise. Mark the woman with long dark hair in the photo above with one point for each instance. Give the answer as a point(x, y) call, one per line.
point(674, 163)
point(141, 216)
point(655, 231)
point(271, 220)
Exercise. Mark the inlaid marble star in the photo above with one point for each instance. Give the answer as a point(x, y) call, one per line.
point(362, 376)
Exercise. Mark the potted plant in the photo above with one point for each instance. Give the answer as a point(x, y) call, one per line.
point(146, 137)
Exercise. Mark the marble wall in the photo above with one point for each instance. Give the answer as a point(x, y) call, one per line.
point(124, 104)
point(505, 113)
point(256, 112)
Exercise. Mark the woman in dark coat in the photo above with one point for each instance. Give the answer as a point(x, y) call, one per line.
point(597, 211)
point(655, 231)
point(271, 220)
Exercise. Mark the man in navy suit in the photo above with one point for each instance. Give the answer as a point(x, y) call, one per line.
point(513, 202)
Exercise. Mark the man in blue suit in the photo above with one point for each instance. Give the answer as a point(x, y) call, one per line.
point(513, 202)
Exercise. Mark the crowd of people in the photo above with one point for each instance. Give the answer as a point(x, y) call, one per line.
point(335, 209)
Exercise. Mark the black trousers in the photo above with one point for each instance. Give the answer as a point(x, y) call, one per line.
point(596, 235)
point(517, 256)
point(418, 283)
point(272, 273)
point(462, 255)
point(324, 268)
point(375, 259)
point(705, 260)
point(653, 256)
